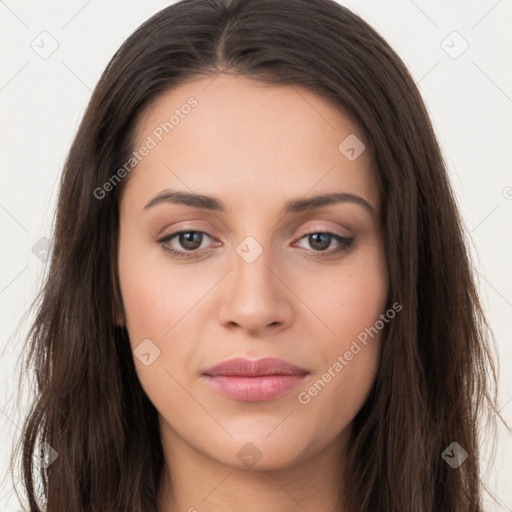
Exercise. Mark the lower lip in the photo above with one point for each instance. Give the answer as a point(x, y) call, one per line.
point(253, 389)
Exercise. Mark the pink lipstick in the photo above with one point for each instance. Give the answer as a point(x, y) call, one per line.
point(254, 381)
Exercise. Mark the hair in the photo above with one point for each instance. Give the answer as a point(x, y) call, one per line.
point(436, 374)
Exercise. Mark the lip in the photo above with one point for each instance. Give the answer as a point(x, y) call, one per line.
point(254, 381)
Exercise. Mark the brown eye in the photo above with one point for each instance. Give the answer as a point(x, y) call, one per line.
point(320, 241)
point(187, 243)
point(190, 240)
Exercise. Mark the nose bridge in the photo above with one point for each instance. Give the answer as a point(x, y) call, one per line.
point(252, 277)
point(254, 298)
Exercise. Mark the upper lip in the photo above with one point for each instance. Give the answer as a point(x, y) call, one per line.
point(247, 368)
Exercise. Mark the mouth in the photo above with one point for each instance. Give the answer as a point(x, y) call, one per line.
point(254, 381)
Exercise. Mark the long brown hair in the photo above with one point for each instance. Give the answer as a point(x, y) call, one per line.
point(436, 375)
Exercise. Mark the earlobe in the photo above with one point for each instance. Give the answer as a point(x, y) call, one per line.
point(117, 301)
point(119, 315)
point(120, 320)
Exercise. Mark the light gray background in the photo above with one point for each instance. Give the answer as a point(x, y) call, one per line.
point(469, 96)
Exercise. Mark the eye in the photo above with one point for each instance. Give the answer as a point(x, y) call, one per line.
point(190, 243)
point(189, 240)
point(320, 241)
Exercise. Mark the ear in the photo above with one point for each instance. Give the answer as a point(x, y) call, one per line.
point(119, 315)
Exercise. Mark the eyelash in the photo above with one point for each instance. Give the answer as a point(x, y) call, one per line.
point(345, 244)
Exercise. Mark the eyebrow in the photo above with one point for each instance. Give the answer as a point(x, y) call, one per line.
point(292, 206)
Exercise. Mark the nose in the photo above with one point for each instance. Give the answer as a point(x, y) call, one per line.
point(255, 297)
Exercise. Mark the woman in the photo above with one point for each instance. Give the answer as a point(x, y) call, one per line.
point(259, 296)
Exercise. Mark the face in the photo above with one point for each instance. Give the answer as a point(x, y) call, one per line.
point(260, 270)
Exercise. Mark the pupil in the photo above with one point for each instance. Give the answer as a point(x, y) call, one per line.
point(321, 246)
point(188, 242)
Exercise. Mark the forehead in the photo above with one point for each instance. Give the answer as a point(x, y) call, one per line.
point(233, 134)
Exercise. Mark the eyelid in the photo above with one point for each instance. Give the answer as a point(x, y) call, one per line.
point(297, 233)
point(167, 238)
point(323, 229)
point(345, 243)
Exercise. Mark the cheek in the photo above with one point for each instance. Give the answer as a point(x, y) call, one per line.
point(152, 305)
point(157, 304)
point(359, 299)
point(155, 294)
point(348, 299)
point(350, 352)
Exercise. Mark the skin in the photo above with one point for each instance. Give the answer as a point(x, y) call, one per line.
point(253, 146)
